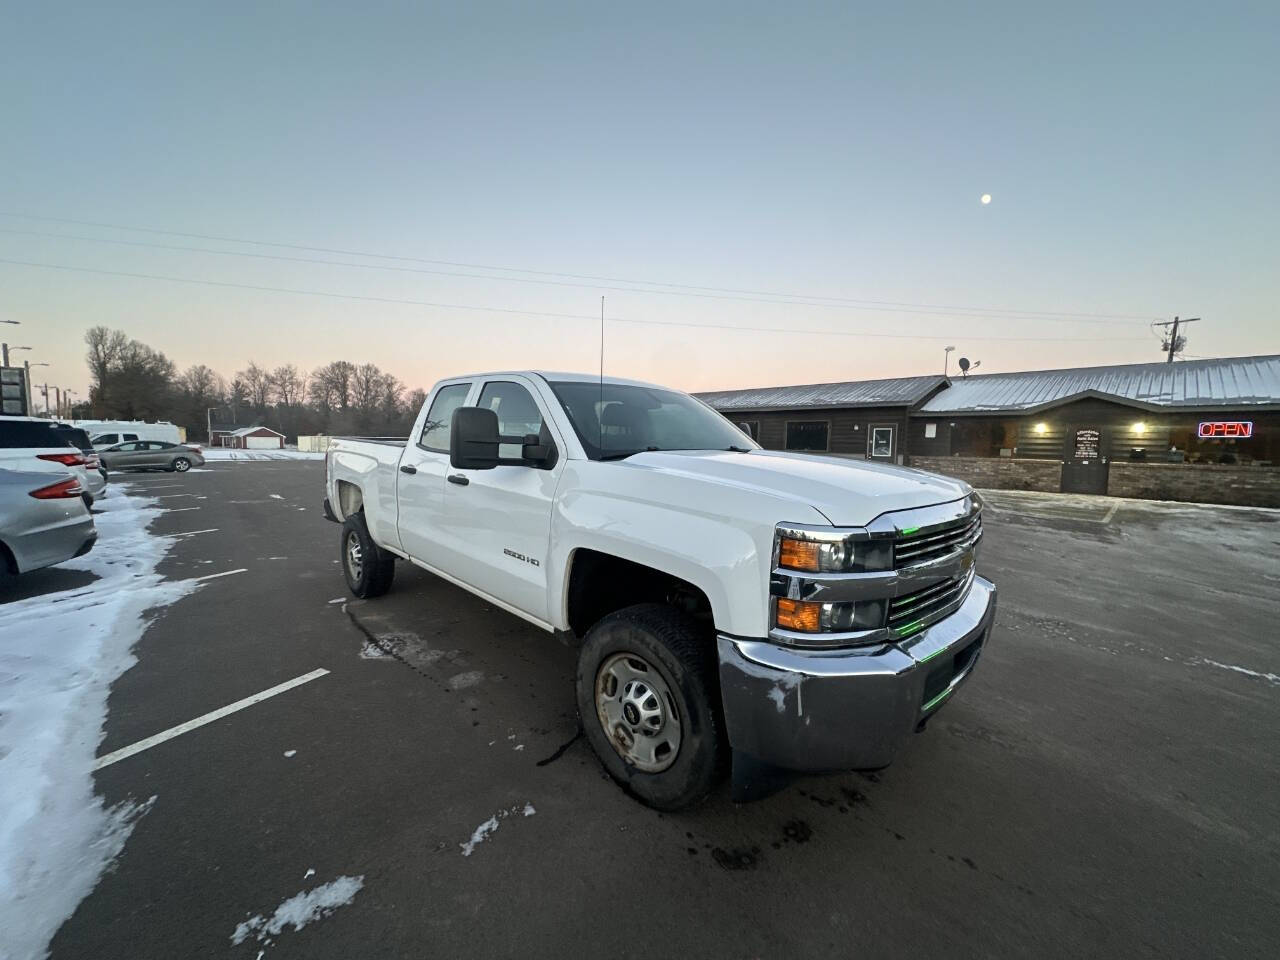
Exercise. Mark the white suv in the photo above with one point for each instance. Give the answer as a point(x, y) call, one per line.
point(33, 444)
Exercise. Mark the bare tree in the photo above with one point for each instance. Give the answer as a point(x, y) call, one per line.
point(257, 383)
point(287, 387)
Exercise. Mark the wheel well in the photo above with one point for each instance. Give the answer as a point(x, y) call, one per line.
point(350, 498)
point(8, 563)
point(600, 583)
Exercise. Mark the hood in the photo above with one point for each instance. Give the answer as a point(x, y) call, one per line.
point(847, 492)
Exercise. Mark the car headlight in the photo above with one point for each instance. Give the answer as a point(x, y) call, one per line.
point(845, 616)
point(848, 554)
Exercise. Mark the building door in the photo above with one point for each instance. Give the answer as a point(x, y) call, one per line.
point(880, 442)
point(1084, 464)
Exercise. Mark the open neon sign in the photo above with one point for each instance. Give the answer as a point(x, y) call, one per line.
point(1226, 428)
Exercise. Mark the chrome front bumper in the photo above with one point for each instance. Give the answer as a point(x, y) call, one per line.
point(850, 709)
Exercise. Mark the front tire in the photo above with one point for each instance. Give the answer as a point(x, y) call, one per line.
point(648, 700)
point(181, 464)
point(368, 568)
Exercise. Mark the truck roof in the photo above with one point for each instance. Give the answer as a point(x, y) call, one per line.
point(560, 375)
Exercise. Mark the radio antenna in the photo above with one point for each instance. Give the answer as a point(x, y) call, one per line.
point(600, 415)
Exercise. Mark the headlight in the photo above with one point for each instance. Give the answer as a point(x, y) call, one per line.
point(808, 616)
point(843, 555)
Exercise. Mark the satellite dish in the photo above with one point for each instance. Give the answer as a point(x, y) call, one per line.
point(964, 363)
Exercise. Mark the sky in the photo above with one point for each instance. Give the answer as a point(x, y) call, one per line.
point(830, 157)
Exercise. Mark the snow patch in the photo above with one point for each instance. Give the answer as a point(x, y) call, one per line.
point(486, 829)
point(59, 656)
point(300, 909)
point(291, 753)
point(338, 599)
point(1269, 677)
point(275, 496)
point(469, 678)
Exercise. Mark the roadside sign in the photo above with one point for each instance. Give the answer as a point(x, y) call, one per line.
point(14, 395)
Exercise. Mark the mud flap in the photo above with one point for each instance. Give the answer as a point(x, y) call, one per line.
point(753, 779)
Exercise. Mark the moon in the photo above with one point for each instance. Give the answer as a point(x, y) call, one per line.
point(986, 198)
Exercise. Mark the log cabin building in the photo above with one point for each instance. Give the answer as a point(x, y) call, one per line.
point(1202, 430)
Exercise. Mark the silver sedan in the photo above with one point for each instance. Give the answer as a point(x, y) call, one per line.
point(151, 455)
point(43, 520)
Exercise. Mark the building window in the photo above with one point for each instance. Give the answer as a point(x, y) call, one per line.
point(881, 442)
point(807, 434)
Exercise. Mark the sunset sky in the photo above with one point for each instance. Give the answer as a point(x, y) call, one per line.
point(833, 157)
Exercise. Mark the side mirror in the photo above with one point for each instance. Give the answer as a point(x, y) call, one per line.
point(473, 439)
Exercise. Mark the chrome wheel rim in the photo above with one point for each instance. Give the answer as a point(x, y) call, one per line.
point(355, 556)
point(637, 712)
point(181, 466)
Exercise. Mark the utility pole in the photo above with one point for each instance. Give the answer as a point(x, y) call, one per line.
point(45, 390)
point(1174, 343)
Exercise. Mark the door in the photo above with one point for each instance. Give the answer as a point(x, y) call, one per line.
point(126, 456)
point(420, 482)
point(880, 441)
point(498, 522)
point(1084, 466)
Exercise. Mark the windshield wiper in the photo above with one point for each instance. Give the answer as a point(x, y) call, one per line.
point(629, 453)
point(737, 449)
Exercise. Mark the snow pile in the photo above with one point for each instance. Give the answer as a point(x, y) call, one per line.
point(59, 654)
point(483, 831)
point(300, 909)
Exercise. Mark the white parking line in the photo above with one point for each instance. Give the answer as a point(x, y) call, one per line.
point(181, 509)
point(155, 486)
point(190, 533)
point(215, 576)
point(1112, 512)
point(174, 496)
point(200, 721)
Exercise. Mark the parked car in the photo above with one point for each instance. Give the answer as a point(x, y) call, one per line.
point(30, 443)
point(152, 455)
point(782, 611)
point(80, 440)
point(107, 433)
point(43, 520)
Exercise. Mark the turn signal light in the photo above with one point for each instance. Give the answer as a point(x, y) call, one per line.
point(804, 616)
point(798, 554)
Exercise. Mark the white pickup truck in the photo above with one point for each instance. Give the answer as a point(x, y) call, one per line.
point(760, 610)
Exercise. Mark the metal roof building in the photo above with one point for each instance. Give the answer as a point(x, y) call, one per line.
point(1231, 382)
point(896, 392)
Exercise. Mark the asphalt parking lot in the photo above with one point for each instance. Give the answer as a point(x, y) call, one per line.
point(1105, 786)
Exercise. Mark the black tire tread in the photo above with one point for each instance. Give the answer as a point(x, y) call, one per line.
point(687, 641)
point(379, 565)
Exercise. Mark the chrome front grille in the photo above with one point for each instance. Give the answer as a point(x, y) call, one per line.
point(913, 611)
point(916, 548)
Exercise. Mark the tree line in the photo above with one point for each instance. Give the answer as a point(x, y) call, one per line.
point(131, 381)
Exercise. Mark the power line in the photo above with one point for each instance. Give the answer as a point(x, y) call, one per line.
point(526, 313)
point(679, 289)
point(887, 336)
point(309, 293)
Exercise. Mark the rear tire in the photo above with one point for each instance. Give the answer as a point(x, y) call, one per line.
point(648, 699)
point(368, 568)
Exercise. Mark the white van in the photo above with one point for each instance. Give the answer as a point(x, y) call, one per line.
point(107, 433)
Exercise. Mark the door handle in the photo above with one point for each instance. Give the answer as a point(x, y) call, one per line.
point(408, 468)
point(459, 479)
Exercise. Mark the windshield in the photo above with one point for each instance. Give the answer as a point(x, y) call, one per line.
point(622, 419)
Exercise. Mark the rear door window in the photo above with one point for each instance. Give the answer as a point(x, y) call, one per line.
point(17, 434)
point(436, 428)
point(107, 438)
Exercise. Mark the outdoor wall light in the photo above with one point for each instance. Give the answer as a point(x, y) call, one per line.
point(1139, 428)
point(1041, 427)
